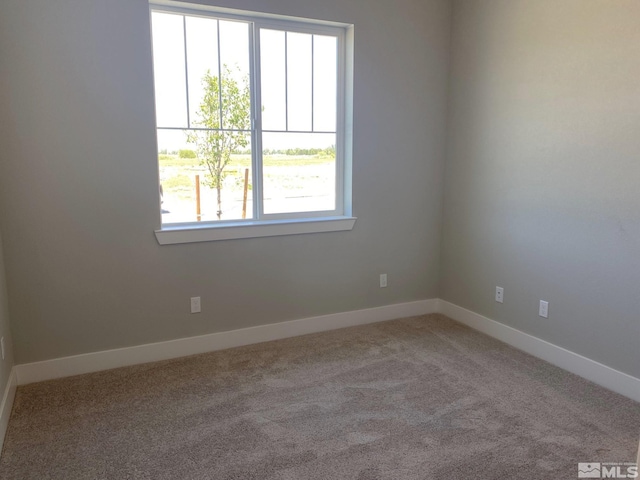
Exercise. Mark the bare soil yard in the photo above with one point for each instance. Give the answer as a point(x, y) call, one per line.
point(291, 183)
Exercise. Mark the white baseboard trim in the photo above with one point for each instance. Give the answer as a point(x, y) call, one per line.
point(584, 367)
point(93, 362)
point(7, 405)
point(121, 357)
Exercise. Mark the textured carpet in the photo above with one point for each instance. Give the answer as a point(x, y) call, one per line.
point(417, 398)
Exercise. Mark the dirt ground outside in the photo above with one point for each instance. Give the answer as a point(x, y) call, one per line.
point(291, 183)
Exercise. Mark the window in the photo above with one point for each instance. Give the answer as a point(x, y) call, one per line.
point(250, 115)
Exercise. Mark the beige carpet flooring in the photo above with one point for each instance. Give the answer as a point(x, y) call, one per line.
point(417, 398)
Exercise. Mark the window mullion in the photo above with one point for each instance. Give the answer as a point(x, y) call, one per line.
point(186, 70)
point(219, 76)
point(286, 81)
point(312, 79)
point(256, 128)
point(341, 124)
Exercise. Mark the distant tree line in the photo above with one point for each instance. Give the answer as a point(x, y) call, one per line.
point(329, 151)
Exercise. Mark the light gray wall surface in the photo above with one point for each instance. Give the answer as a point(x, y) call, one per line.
point(78, 182)
point(542, 183)
point(5, 330)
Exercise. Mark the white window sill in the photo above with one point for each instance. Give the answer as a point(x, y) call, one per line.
point(272, 228)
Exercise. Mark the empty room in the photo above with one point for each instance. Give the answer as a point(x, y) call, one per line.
point(338, 239)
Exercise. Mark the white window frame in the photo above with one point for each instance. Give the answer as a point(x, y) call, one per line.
point(262, 224)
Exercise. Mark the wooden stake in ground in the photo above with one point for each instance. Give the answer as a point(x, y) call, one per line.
point(198, 214)
point(244, 198)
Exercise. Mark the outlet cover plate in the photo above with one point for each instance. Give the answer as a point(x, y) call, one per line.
point(195, 305)
point(543, 311)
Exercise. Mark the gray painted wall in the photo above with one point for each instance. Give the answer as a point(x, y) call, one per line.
point(5, 330)
point(78, 182)
point(543, 171)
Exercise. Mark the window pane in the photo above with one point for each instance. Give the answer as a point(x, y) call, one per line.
point(202, 60)
point(299, 81)
point(325, 64)
point(299, 172)
point(168, 65)
point(234, 56)
point(183, 160)
point(272, 79)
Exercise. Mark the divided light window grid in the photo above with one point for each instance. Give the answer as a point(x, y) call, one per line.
point(249, 117)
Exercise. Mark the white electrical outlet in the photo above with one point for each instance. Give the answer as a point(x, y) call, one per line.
point(543, 311)
point(195, 305)
point(383, 280)
point(2, 346)
point(499, 294)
